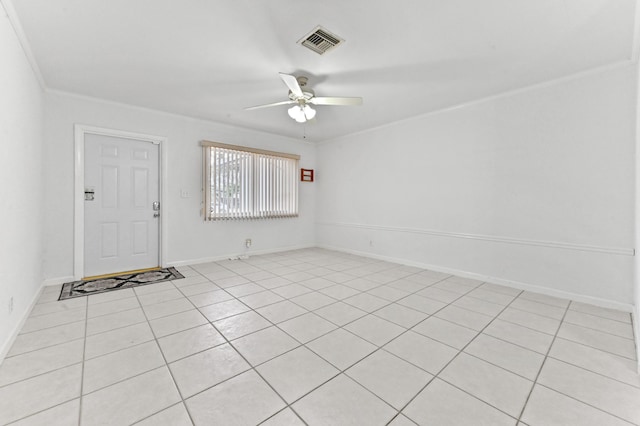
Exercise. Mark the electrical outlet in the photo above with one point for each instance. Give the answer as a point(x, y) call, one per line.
point(247, 242)
point(184, 193)
point(11, 304)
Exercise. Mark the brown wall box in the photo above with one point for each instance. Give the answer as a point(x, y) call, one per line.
point(306, 175)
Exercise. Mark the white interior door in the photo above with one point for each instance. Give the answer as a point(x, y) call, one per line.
point(121, 219)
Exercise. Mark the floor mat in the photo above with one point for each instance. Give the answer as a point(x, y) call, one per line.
point(101, 285)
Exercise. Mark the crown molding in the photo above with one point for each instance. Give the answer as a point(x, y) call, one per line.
point(10, 11)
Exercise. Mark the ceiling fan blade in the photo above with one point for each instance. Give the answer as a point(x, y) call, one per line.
point(292, 84)
point(270, 105)
point(329, 100)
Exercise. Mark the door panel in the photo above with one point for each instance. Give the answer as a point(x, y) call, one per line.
point(108, 240)
point(140, 178)
point(120, 230)
point(109, 187)
point(140, 231)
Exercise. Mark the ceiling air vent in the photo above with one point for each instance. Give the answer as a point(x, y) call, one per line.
point(320, 40)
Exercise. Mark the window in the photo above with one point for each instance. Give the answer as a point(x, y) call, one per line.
point(246, 183)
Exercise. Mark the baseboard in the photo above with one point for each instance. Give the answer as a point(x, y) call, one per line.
point(62, 280)
point(604, 303)
point(237, 255)
point(4, 350)
point(58, 280)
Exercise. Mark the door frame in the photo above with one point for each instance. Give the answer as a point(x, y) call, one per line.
point(80, 132)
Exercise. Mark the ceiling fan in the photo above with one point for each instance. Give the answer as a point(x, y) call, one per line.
point(301, 96)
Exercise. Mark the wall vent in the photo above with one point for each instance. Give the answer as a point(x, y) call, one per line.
point(320, 40)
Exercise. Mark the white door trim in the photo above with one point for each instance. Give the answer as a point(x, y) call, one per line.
point(80, 131)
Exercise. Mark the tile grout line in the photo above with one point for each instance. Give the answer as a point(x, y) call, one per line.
point(61, 403)
point(87, 319)
point(181, 402)
point(366, 314)
point(540, 369)
point(596, 316)
point(591, 371)
point(54, 326)
point(456, 355)
point(252, 367)
point(343, 325)
point(340, 371)
point(587, 404)
point(35, 413)
point(166, 366)
point(84, 351)
point(255, 331)
point(547, 356)
point(601, 331)
point(535, 381)
point(568, 340)
point(144, 372)
point(36, 350)
point(86, 314)
point(337, 301)
point(32, 316)
point(343, 371)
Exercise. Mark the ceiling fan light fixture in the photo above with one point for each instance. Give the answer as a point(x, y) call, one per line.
point(295, 112)
point(309, 112)
point(301, 113)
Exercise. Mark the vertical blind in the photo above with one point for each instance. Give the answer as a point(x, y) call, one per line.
point(246, 183)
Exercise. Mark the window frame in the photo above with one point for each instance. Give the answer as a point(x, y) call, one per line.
point(207, 169)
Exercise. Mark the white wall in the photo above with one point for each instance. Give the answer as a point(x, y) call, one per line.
point(21, 184)
point(190, 239)
point(636, 311)
point(533, 188)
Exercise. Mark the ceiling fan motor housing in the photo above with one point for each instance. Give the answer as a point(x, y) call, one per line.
point(307, 94)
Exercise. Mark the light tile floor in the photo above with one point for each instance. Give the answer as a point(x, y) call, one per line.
point(320, 338)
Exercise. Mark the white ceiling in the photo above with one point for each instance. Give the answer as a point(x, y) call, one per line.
point(211, 58)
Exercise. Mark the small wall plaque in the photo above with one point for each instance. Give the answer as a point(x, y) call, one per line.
point(306, 175)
